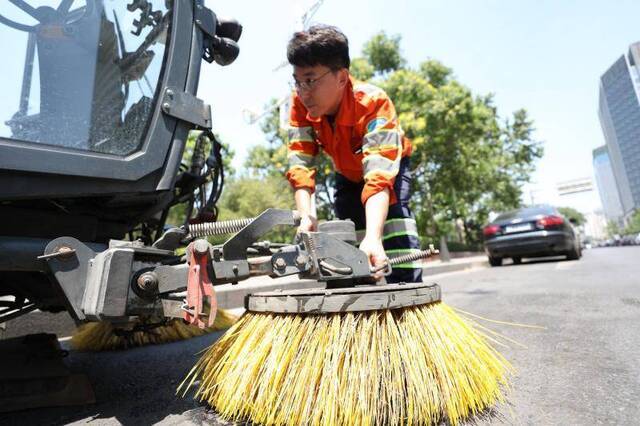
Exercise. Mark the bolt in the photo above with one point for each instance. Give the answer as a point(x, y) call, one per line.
point(65, 251)
point(166, 107)
point(170, 93)
point(200, 246)
point(217, 254)
point(148, 282)
point(280, 263)
point(60, 253)
point(235, 269)
point(301, 260)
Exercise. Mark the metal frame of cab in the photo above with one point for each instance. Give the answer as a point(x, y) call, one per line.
point(48, 171)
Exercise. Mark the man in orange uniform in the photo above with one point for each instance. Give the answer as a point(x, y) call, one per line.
point(355, 123)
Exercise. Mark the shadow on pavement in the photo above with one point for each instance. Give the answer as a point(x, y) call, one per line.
point(132, 387)
point(534, 260)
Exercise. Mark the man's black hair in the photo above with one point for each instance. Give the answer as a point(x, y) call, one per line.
point(319, 45)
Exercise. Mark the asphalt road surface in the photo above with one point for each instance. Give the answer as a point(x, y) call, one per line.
point(582, 369)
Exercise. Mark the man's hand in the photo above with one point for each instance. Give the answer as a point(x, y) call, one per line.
point(308, 223)
point(375, 252)
point(376, 210)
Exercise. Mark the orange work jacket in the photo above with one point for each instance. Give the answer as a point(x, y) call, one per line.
point(367, 143)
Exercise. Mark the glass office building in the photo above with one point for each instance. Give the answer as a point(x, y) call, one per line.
point(619, 112)
point(606, 183)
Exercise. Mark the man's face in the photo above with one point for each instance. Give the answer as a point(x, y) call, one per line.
point(320, 89)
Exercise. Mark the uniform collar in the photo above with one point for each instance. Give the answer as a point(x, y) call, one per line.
point(346, 111)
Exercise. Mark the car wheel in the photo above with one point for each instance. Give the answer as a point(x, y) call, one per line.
point(517, 260)
point(574, 254)
point(495, 261)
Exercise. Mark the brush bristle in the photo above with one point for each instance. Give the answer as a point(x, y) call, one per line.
point(418, 365)
point(103, 336)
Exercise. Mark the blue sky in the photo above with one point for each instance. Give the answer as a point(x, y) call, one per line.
point(545, 56)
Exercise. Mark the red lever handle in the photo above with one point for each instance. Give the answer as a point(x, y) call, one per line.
point(199, 286)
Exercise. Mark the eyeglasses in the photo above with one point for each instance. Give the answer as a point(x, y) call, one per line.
point(309, 84)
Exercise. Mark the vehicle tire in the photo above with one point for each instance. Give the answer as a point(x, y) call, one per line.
point(495, 261)
point(516, 260)
point(574, 254)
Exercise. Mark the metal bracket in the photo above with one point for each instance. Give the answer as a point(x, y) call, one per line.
point(68, 259)
point(199, 286)
point(171, 239)
point(333, 259)
point(107, 284)
point(205, 20)
point(236, 247)
point(186, 107)
point(113, 273)
point(289, 261)
point(353, 299)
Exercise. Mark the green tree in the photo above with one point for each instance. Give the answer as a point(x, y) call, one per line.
point(383, 52)
point(633, 226)
point(361, 69)
point(613, 229)
point(436, 73)
point(572, 215)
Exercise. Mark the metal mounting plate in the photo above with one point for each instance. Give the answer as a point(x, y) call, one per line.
point(186, 107)
point(353, 299)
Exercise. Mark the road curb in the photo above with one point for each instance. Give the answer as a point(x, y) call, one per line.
point(454, 267)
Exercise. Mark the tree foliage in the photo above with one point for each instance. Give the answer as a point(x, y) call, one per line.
point(613, 229)
point(572, 215)
point(633, 225)
point(383, 52)
point(361, 69)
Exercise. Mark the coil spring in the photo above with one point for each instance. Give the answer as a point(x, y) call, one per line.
point(413, 256)
point(199, 230)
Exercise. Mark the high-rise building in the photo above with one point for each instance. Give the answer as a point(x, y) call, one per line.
point(606, 182)
point(619, 112)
